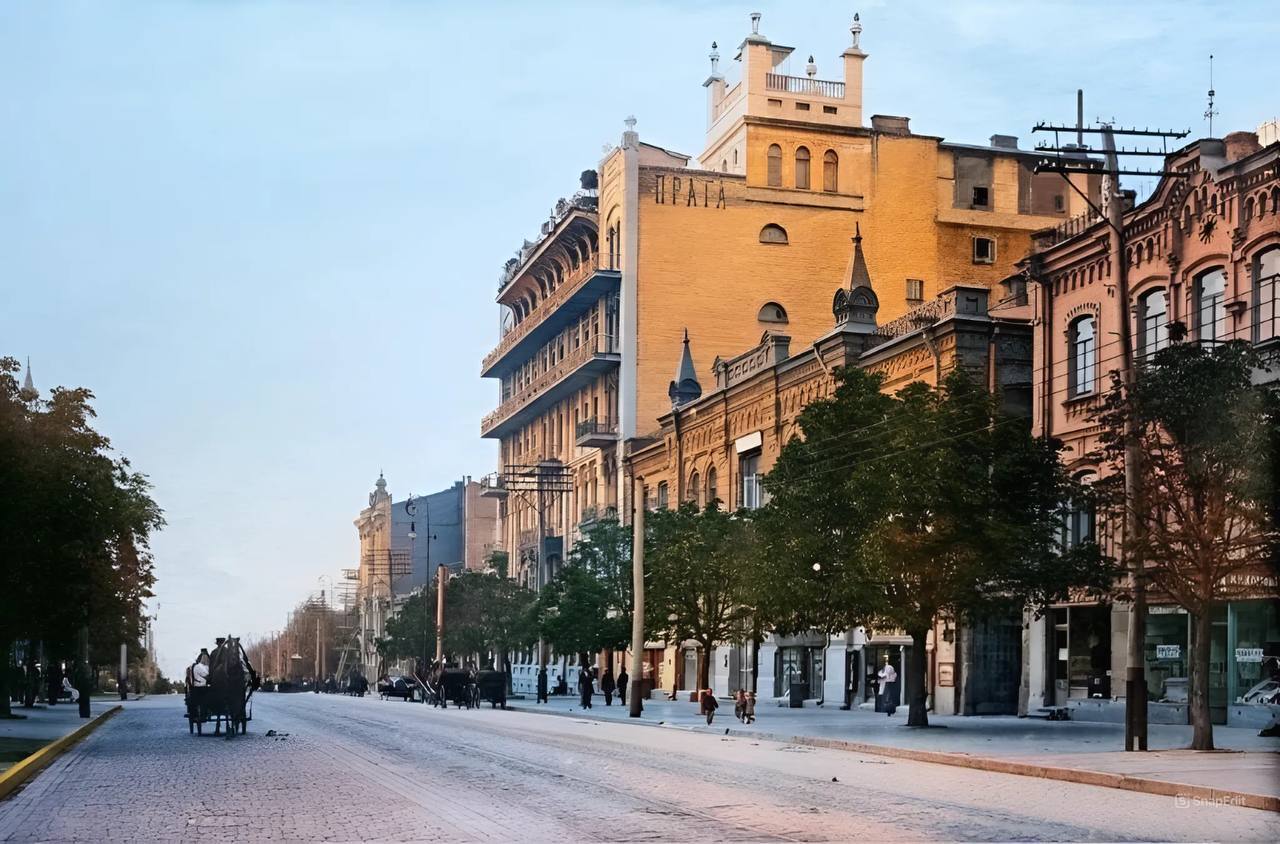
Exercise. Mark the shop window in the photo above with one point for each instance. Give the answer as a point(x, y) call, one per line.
point(984, 250)
point(773, 173)
point(1083, 356)
point(1266, 272)
point(802, 168)
point(1167, 655)
point(1210, 292)
point(1153, 322)
point(1255, 673)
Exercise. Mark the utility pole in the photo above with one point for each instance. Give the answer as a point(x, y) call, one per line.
point(637, 596)
point(1112, 213)
point(442, 573)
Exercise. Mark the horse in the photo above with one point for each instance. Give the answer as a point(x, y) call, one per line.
point(227, 685)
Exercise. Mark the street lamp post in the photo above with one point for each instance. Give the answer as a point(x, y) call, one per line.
point(411, 509)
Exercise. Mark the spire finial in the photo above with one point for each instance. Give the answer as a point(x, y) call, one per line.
point(755, 23)
point(27, 384)
point(685, 388)
point(811, 69)
point(857, 232)
point(856, 30)
point(715, 59)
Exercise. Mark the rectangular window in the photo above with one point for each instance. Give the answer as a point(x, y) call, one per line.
point(802, 106)
point(1211, 306)
point(1059, 202)
point(984, 250)
point(774, 103)
point(1266, 274)
point(749, 470)
point(915, 290)
point(828, 109)
point(980, 197)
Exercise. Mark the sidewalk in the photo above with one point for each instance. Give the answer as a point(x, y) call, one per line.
point(1061, 749)
point(20, 737)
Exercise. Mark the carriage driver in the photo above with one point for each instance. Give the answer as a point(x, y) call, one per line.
point(200, 682)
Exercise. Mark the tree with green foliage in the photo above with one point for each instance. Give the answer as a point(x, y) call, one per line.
point(699, 578)
point(587, 606)
point(899, 510)
point(1205, 488)
point(74, 528)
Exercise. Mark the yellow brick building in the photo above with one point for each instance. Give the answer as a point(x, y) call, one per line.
point(746, 239)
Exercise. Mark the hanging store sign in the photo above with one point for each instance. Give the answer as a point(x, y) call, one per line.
point(1248, 654)
point(1168, 651)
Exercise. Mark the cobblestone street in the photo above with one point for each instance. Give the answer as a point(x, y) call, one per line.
point(364, 769)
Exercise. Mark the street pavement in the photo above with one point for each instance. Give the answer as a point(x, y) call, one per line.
point(363, 769)
point(1253, 766)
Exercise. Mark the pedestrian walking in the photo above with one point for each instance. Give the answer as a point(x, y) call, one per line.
point(622, 686)
point(607, 685)
point(740, 705)
point(749, 709)
point(542, 685)
point(888, 676)
point(585, 687)
point(708, 705)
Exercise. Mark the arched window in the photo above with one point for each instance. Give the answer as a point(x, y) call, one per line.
point(724, 165)
point(735, 156)
point(772, 312)
point(695, 488)
point(713, 492)
point(1210, 291)
point(1153, 322)
point(774, 174)
point(830, 171)
point(1266, 278)
point(802, 168)
point(773, 233)
point(1081, 522)
point(1084, 356)
point(663, 496)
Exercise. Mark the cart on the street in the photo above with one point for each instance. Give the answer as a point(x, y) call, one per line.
point(491, 686)
point(227, 700)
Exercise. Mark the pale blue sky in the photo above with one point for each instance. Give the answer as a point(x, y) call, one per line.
point(267, 234)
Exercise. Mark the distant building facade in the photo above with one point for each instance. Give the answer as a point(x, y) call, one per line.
point(403, 543)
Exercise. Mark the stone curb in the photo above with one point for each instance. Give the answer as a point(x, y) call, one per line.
point(36, 762)
point(1106, 779)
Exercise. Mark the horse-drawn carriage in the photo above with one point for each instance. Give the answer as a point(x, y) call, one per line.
point(401, 687)
point(465, 688)
point(225, 700)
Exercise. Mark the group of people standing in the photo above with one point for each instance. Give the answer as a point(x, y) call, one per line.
point(587, 679)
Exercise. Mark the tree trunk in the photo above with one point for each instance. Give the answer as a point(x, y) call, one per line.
point(30, 691)
point(5, 711)
point(913, 680)
point(704, 667)
point(1201, 726)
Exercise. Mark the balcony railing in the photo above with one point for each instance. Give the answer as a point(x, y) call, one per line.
point(596, 433)
point(598, 347)
point(804, 85)
point(571, 285)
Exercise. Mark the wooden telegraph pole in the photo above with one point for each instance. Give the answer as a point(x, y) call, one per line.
point(1077, 160)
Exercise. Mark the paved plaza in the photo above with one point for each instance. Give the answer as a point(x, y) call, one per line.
point(362, 769)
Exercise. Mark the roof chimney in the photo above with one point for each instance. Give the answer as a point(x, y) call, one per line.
point(1004, 141)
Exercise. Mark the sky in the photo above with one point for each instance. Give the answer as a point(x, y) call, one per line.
point(267, 234)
